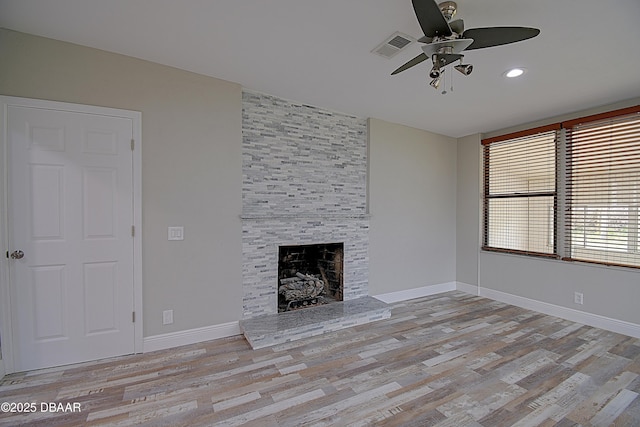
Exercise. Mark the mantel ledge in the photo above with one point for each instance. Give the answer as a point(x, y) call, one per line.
point(304, 217)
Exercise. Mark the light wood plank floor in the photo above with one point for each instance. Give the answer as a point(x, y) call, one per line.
point(446, 360)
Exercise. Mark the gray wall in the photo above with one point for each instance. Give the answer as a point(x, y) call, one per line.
point(412, 201)
point(608, 291)
point(192, 176)
point(191, 167)
point(467, 210)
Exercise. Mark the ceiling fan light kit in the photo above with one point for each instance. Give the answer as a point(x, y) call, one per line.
point(465, 69)
point(445, 40)
point(435, 83)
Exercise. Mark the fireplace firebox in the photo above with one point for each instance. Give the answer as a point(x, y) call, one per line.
point(309, 275)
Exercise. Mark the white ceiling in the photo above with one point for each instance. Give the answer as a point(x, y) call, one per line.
point(319, 52)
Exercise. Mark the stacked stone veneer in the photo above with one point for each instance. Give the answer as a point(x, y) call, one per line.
point(304, 182)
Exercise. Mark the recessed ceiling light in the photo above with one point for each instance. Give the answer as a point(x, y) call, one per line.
point(514, 72)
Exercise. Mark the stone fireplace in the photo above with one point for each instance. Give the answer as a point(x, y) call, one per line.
point(304, 183)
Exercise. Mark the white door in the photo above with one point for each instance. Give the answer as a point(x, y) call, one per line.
point(70, 207)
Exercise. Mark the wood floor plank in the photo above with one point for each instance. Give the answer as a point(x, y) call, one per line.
point(451, 359)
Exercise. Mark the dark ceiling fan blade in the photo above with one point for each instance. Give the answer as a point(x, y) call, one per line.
point(431, 20)
point(415, 61)
point(496, 36)
point(457, 26)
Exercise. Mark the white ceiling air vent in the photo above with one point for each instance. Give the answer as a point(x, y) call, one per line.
point(393, 44)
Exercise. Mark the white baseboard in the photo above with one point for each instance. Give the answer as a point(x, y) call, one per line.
point(424, 291)
point(467, 288)
point(595, 320)
point(191, 336)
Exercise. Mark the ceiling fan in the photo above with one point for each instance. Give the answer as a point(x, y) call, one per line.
point(445, 39)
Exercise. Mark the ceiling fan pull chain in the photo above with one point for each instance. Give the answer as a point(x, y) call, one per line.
point(444, 91)
point(451, 90)
point(444, 77)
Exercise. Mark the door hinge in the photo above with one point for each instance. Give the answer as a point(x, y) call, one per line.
point(133, 317)
point(133, 144)
point(133, 231)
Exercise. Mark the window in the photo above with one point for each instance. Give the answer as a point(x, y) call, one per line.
point(603, 188)
point(520, 192)
point(598, 190)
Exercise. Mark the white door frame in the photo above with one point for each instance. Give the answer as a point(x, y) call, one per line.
point(7, 363)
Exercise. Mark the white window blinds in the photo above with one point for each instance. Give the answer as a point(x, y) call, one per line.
point(520, 192)
point(603, 188)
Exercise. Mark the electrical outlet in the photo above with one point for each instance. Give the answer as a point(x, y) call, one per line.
point(167, 317)
point(578, 298)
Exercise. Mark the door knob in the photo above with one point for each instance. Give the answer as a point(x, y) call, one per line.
point(17, 255)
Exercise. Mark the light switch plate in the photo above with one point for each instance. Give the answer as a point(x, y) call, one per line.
point(176, 233)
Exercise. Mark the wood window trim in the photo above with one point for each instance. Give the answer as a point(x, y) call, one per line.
point(522, 133)
point(517, 252)
point(601, 116)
